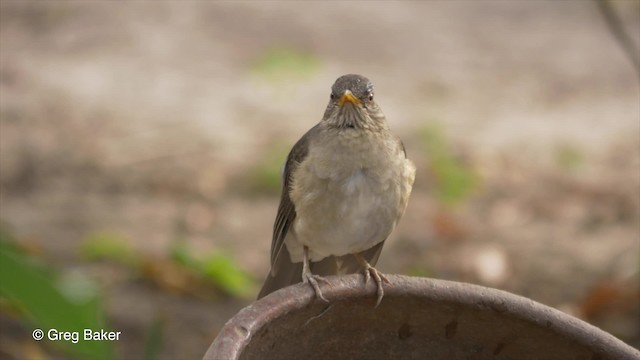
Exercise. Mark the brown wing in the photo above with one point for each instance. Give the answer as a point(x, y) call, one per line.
point(283, 271)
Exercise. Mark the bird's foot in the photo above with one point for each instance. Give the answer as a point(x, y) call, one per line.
point(378, 277)
point(309, 278)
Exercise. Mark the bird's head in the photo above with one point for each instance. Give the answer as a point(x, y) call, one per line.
point(352, 105)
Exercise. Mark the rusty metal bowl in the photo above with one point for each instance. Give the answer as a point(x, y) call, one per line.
point(418, 318)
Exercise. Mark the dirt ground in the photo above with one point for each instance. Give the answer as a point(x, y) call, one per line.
point(148, 121)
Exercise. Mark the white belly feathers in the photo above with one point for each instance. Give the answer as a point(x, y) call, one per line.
point(348, 199)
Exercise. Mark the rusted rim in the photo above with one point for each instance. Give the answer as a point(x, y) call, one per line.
point(237, 332)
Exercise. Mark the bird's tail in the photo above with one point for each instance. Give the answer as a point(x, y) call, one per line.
point(283, 273)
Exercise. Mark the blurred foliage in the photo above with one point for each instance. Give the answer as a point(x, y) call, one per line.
point(265, 176)
point(568, 157)
point(154, 341)
point(106, 245)
point(216, 267)
point(420, 271)
point(53, 302)
point(454, 180)
point(285, 62)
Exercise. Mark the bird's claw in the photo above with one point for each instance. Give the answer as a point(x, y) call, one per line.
point(379, 278)
point(313, 281)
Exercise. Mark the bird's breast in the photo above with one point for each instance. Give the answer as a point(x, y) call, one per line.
point(348, 195)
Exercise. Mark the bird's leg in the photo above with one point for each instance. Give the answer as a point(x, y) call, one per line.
point(308, 277)
point(370, 271)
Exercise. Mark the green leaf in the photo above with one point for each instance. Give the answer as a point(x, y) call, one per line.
point(218, 268)
point(39, 294)
point(153, 344)
point(264, 178)
point(226, 274)
point(454, 180)
point(420, 271)
point(285, 62)
point(568, 157)
point(110, 246)
point(179, 253)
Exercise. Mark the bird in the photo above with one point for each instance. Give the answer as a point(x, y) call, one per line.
point(345, 185)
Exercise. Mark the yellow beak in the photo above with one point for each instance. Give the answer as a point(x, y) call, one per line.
point(348, 97)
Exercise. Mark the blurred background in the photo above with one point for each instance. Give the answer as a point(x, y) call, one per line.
point(141, 146)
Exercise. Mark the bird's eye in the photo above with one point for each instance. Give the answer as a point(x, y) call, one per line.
point(370, 96)
point(332, 96)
